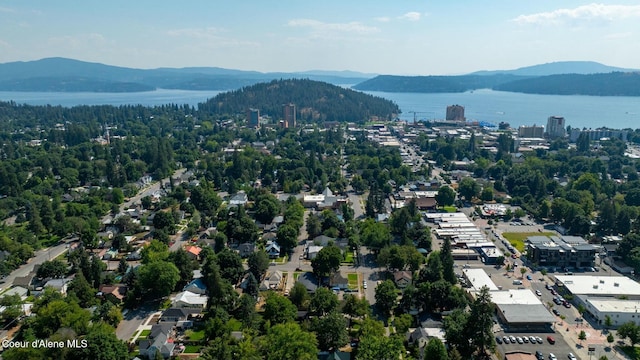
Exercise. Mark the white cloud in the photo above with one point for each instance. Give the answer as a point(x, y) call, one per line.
point(199, 33)
point(590, 12)
point(411, 16)
point(319, 26)
point(383, 19)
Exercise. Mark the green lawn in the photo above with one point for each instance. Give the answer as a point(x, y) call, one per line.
point(196, 335)
point(144, 334)
point(192, 349)
point(450, 209)
point(353, 280)
point(348, 258)
point(517, 238)
point(295, 275)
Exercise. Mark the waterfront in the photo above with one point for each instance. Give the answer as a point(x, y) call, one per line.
point(482, 105)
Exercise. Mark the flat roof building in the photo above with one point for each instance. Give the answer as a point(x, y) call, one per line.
point(478, 278)
point(521, 310)
point(561, 251)
point(600, 286)
point(620, 311)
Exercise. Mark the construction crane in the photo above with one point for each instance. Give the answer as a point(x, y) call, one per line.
point(415, 116)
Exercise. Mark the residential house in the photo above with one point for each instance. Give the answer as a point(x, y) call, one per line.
point(246, 249)
point(113, 293)
point(59, 285)
point(402, 278)
point(240, 198)
point(309, 280)
point(272, 249)
point(272, 281)
point(193, 252)
point(176, 314)
point(312, 251)
point(187, 299)
point(17, 290)
point(158, 341)
point(196, 286)
point(422, 335)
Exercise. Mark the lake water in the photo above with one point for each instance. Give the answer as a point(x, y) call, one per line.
point(483, 105)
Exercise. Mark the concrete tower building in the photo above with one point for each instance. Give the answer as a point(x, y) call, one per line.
point(555, 127)
point(289, 115)
point(253, 118)
point(455, 113)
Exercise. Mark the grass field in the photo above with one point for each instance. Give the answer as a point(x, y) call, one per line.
point(144, 334)
point(353, 280)
point(517, 238)
point(348, 258)
point(192, 349)
point(450, 209)
point(195, 335)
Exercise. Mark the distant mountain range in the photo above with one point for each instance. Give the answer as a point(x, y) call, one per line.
point(559, 78)
point(68, 75)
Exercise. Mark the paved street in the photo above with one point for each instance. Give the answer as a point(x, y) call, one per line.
point(41, 256)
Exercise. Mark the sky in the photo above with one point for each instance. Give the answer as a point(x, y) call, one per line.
point(401, 37)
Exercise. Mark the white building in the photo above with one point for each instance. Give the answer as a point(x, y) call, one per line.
point(620, 311)
point(478, 278)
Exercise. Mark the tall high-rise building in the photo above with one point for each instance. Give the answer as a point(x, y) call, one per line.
point(253, 118)
point(555, 127)
point(455, 113)
point(289, 115)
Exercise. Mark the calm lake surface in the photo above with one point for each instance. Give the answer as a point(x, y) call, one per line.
point(615, 112)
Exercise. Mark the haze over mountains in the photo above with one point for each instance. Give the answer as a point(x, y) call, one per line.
point(68, 75)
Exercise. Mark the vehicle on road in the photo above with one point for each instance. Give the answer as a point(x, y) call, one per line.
point(364, 284)
point(556, 312)
point(538, 292)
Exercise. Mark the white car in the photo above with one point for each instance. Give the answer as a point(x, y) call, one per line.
point(552, 357)
point(364, 284)
point(571, 356)
point(538, 293)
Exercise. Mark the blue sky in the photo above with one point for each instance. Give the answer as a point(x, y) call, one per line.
point(386, 37)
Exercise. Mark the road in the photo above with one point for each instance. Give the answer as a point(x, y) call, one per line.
point(132, 320)
point(40, 257)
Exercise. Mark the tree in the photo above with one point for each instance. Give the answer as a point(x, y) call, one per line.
point(435, 350)
point(523, 271)
point(278, 309)
point(289, 341)
point(386, 296)
point(468, 188)
point(446, 258)
point(258, 263)
point(299, 296)
point(582, 336)
point(184, 263)
point(314, 227)
point(482, 322)
point(163, 220)
point(155, 251)
point(610, 338)
point(51, 269)
point(629, 330)
point(267, 207)
point(230, 263)
point(327, 261)
point(102, 344)
point(158, 278)
point(323, 301)
point(353, 306)
point(402, 323)
point(374, 234)
point(108, 313)
point(582, 144)
point(331, 331)
point(287, 237)
point(246, 311)
point(380, 347)
point(80, 288)
point(58, 314)
point(446, 196)
point(457, 332)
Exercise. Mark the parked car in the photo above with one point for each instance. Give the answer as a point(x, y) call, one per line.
point(539, 355)
point(551, 340)
point(539, 339)
point(519, 340)
point(529, 277)
point(538, 292)
point(532, 339)
point(525, 339)
point(552, 357)
point(512, 339)
point(556, 312)
point(505, 339)
point(498, 340)
point(571, 356)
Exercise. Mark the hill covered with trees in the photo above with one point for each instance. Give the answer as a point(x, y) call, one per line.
point(434, 84)
point(315, 101)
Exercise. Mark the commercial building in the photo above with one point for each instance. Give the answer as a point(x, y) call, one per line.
point(555, 127)
point(531, 131)
point(253, 118)
point(478, 278)
point(289, 115)
point(597, 134)
point(521, 310)
point(455, 113)
point(619, 311)
point(599, 286)
point(561, 252)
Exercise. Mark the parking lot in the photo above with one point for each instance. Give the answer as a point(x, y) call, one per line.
point(560, 349)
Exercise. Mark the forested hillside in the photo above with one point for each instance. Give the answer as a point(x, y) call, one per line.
point(613, 84)
point(315, 101)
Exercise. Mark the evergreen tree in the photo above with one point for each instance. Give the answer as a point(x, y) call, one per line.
point(446, 258)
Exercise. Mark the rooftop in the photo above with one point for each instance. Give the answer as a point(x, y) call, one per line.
point(479, 278)
point(599, 285)
point(612, 306)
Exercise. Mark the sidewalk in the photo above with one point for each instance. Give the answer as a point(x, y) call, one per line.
point(594, 337)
